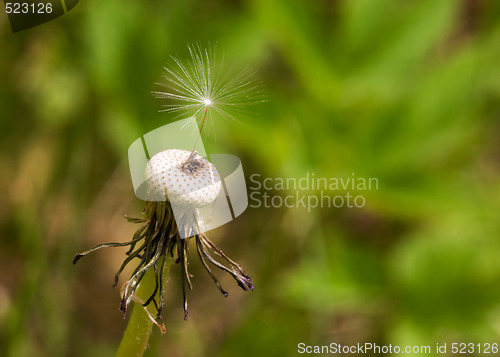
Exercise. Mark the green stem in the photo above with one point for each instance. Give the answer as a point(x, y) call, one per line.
point(136, 336)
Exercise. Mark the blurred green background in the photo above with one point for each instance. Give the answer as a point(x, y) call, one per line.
point(404, 91)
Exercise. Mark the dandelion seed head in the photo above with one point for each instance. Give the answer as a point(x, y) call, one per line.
point(197, 189)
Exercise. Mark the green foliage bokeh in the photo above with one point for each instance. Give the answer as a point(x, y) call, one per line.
point(404, 91)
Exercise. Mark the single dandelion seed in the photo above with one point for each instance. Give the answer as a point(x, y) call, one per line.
point(202, 87)
point(182, 182)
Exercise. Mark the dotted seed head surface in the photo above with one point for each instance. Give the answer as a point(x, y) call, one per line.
point(195, 188)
